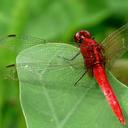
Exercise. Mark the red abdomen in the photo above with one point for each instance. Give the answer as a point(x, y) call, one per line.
point(101, 78)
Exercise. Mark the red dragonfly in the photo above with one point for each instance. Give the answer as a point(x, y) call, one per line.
point(96, 58)
point(95, 63)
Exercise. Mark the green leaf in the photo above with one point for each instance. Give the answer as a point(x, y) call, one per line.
point(48, 97)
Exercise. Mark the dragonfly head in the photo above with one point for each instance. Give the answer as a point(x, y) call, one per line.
point(79, 36)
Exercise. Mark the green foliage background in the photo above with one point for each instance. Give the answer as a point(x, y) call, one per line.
point(54, 20)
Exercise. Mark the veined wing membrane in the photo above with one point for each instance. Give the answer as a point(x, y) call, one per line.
point(10, 46)
point(20, 42)
point(116, 44)
point(44, 65)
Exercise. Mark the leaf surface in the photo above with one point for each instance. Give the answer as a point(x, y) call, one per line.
point(50, 100)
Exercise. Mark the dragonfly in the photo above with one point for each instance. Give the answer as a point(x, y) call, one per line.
point(96, 57)
point(95, 62)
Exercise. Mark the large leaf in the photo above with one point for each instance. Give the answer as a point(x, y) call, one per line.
point(48, 97)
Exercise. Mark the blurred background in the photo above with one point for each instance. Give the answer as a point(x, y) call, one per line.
point(55, 20)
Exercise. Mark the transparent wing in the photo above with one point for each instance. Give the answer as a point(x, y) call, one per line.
point(16, 42)
point(116, 44)
point(44, 65)
point(23, 42)
point(10, 46)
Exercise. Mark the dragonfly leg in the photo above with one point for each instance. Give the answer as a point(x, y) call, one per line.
point(74, 56)
point(70, 59)
point(80, 78)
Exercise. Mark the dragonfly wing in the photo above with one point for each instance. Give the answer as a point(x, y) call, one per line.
point(44, 65)
point(22, 42)
point(116, 44)
point(19, 42)
point(10, 46)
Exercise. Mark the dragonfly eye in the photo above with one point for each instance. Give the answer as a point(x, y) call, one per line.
point(79, 36)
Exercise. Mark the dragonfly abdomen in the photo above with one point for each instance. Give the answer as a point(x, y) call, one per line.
point(101, 78)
